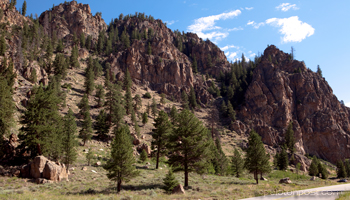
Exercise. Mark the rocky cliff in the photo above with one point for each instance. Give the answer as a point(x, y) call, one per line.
point(158, 62)
point(69, 18)
point(284, 90)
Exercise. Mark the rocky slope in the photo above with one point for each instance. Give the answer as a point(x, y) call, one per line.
point(283, 91)
point(69, 18)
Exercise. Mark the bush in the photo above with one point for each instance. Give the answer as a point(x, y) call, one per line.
point(170, 181)
point(277, 174)
point(147, 95)
point(143, 156)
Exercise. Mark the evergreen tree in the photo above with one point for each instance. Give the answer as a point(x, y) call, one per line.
point(282, 162)
point(322, 171)
point(237, 163)
point(125, 39)
point(69, 139)
point(347, 167)
point(144, 118)
point(101, 126)
point(3, 46)
point(154, 107)
point(74, 57)
point(128, 101)
point(223, 109)
point(170, 181)
point(162, 99)
point(289, 138)
point(341, 171)
point(231, 112)
point(189, 139)
point(192, 99)
point(89, 84)
point(143, 156)
point(120, 167)
point(33, 77)
point(194, 65)
point(160, 134)
point(24, 8)
point(100, 95)
point(256, 161)
point(127, 82)
point(319, 71)
point(184, 99)
point(114, 105)
point(59, 65)
point(138, 102)
point(133, 117)
point(7, 108)
point(60, 46)
point(173, 114)
point(49, 52)
point(41, 131)
point(84, 105)
point(221, 164)
point(86, 128)
point(313, 170)
point(82, 40)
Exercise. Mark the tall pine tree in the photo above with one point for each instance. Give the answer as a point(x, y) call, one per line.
point(69, 139)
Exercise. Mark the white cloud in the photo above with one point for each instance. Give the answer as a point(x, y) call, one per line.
point(252, 55)
point(247, 8)
point(347, 104)
point(235, 29)
point(205, 24)
point(286, 6)
point(255, 25)
point(232, 56)
point(292, 29)
point(171, 22)
point(228, 47)
point(227, 53)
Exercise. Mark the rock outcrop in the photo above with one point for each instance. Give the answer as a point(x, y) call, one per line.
point(159, 64)
point(11, 15)
point(69, 18)
point(283, 91)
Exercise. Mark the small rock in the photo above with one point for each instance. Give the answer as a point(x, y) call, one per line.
point(143, 137)
point(84, 168)
point(101, 149)
point(313, 178)
point(285, 180)
point(94, 171)
point(147, 163)
point(160, 168)
point(42, 181)
point(146, 167)
point(98, 163)
point(72, 169)
point(263, 179)
point(178, 190)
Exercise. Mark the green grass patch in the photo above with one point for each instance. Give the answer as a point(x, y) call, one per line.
point(278, 174)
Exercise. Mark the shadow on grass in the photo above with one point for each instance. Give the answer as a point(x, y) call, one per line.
point(80, 91)
point(113, 190)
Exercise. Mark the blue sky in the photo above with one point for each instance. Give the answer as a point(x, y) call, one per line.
point(318, 30)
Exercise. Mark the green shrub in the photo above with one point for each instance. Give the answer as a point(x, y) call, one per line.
point(147, 95)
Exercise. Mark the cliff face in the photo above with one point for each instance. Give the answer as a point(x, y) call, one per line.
point(11, 15)
point(284, 90)
point(165, 68)
point(67, 19)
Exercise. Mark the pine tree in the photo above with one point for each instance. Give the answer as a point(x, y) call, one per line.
point(231, 112)
point(313, 170)
point(322, 171)
point(114, 105)
point(138, 102)
point(341, 171)
point(89, 84)
point(149, 49)
point(223, 109)
point(282, 162)
point(162, 99)
point(128, 101)
point(154, 107)
point(170, 181)
point(59, 65)
point(49, 52)
point(143, 156)
point(125, 39)
point(194, 65)
point(189, 139)
point(127, 82)
point(3, 46)
point(69, 139)
point(256, 161)
point(289, 138)
point(184, 101)
point(7, 108)
point(160, 134)
point(100, 95)
point(74, 57)
point(82, 40)
point(221, 165)
point(237, 163)
point(86, 128)
point(192, 99)
point(60, 46)
point(144, 118)
point(120, 166)
point(33, 77)
point(102, 126)
point(24, 8)
point(42, 123)
point(173, 114)
point(347, 167)
point(84, 105)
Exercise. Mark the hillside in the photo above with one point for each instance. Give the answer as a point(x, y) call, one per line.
point(60, 49)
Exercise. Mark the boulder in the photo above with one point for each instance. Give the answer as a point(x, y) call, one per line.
point(37, 166)
point(55, 172)
point(313, 178)
point(285, 180)
point(263, 179)
point(25, 171)
point(178, 190)
point(98, 163)
point(42, 181)
point(144, 147)
point(84, 168)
